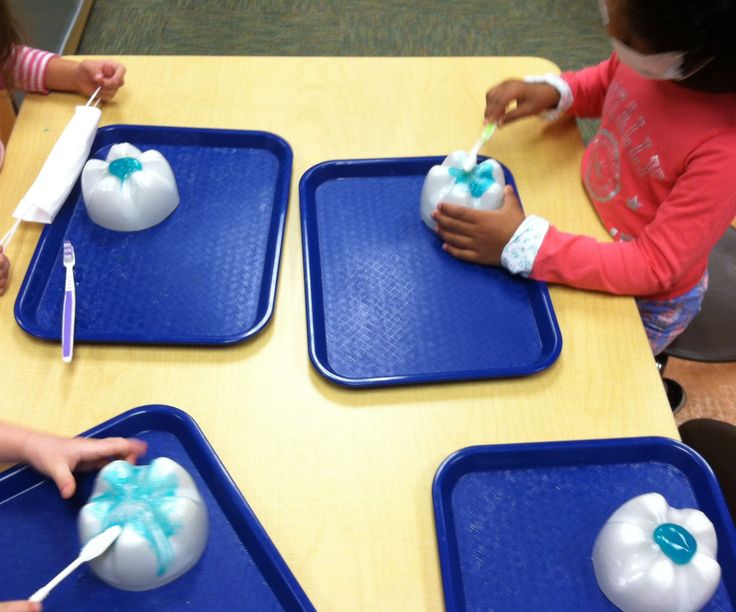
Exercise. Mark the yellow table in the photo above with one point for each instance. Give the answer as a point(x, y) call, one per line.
point(339, 478)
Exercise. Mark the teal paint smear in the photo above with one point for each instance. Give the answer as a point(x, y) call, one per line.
point(143, 500)
point(479, 179)
point(676, 542)
point(124, 167)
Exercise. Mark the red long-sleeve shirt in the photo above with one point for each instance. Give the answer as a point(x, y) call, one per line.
point(661, 173)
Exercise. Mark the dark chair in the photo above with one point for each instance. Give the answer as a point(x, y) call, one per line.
point(711, 336)
point(716, 443)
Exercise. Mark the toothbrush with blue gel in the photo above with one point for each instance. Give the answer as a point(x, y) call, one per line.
point(68, 314)
point(472, 157)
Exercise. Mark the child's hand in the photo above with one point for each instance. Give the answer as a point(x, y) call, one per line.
point(20, 606)
point(479, 236)
point(90, 74)
point(57, 457)
point(530, 98)
point(4, 272)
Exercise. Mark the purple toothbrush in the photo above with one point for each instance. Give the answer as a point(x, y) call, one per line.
point(67, 318)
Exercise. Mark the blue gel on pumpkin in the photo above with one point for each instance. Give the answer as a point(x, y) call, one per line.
point(124, 167)
point(141, 500)
point(479, 179)
point(676, 542)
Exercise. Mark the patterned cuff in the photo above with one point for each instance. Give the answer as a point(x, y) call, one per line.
point(519, 254)
point(561, 86)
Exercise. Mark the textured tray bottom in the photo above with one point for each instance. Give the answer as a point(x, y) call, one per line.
point(525, 536)
point(389, 306)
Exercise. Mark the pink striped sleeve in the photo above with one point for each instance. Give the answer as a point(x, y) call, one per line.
point(28, 68)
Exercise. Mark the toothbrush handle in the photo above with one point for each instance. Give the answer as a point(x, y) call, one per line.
point(67, 321)
point(476, 147)
point(41, 594)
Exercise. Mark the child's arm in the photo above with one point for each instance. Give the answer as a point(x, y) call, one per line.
point(57, 457)
point(40, 71)
point(581, 92)
point(684, 230)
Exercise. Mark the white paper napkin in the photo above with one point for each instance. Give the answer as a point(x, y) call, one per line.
point(61, 169)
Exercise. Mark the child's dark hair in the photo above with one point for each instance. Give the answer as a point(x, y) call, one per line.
point(703, 29)
point(9, 38)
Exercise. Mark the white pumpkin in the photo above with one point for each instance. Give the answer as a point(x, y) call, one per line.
point(481, 188)
point(130, 190)
point(164, 520)
point(651, 557)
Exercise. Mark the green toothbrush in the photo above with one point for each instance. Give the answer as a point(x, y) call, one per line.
point(472, 157)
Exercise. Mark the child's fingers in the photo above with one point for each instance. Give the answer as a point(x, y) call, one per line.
point(464, 254)
point(114, 448)
point(450, 224)
point(460, 241)
point(521, 111)
point(108, 448)
point(20, 606)
point(62, 476)
point(499, 98)
point(459, 216)
point(509, 198)
point(109, 76)
point(109, 90)
point(92, 464)
point(111, 83)
point(106, 71)
point(137, 448)
point(112, 74)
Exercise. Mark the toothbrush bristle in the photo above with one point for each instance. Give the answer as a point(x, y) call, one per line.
point(68, 252)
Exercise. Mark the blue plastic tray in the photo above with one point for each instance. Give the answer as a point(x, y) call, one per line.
point(205, 275)
point(516, 523)
point(386, 305)
point(240, 569)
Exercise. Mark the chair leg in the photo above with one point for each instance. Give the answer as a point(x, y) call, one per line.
point(675, 392)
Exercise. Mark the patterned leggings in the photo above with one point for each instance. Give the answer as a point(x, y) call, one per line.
point(664, 320)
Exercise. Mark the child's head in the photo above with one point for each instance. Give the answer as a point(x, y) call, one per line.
point(697, 35)
point(9, 37)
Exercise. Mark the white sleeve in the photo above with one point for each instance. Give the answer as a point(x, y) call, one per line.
point(561, 86)
point(520, 252)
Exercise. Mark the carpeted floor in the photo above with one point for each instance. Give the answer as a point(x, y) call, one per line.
point(349, 27)
point(569, 33)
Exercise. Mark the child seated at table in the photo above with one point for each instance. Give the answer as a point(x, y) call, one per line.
point(57, 458)
point(38, 71)
point(659, 172)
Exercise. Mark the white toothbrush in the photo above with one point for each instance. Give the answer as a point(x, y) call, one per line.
point(472, 157)
point(91, 550)
point(70, 303)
